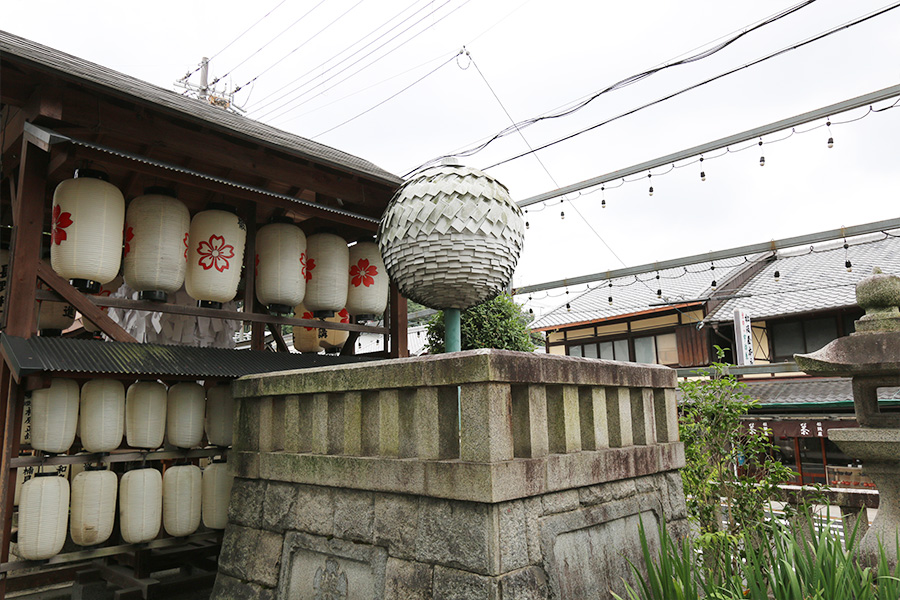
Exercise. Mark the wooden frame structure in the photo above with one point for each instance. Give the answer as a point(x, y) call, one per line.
point(60, 113)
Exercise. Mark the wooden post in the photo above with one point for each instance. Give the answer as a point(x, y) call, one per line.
point(398, 324)
point(25, 250)
point(14, 404)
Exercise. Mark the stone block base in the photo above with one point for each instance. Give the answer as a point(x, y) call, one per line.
point(299, 541)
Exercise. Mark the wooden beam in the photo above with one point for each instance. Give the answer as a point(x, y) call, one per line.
point(221, 148)
point(399, 324)
point(275, 330)
point(212, 313)
point(224, 189)
point(12, 426)
point(28, 221)
point(81, 303)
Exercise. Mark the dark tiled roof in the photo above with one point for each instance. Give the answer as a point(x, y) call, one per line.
point(73, 68)
point(825, 390)
point(813, 280)
point(68, 355)
point(636, 294)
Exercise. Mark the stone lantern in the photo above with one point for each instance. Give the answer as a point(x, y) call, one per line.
point(450, 239)
point(871, 356)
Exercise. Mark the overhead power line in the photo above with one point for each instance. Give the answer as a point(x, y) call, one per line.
point(725, 142)
point(366, 66)
point(775, 54)
point(622, 84)
point(261, 105)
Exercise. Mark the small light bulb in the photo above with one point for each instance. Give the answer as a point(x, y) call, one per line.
point(603, 203)
point(610, 300)
point(713, 286)
point(527, 225)
point(568, 307)
point(762, 161)
point(530, 312)
point(849, 266)
point(831, 142)
point(702, 175)
point(651, 190)
point(659, 293)
point(562, 215)
point(777, 275)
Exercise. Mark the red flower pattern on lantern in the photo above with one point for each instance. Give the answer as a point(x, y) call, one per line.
point(306, 266)
point(308, 315)
point(256, 267)
point(129, 235)
point(363, 273)
point(61, 220)
point(344, 315)
point(215, 253)
point(185, 241)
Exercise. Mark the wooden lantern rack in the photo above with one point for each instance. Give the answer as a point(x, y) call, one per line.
point(59, 112)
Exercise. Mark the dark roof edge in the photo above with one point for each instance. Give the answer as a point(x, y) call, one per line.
point(196, 115)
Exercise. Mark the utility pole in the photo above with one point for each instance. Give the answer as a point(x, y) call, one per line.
point(221, 99)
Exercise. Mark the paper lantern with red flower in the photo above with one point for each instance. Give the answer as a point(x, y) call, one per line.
point(328, 261)
point(157, 223)
point(86, 237)
point(367, 295)
point(306, 339)
point(334, 339)
point(280, 283)
point(215, 257)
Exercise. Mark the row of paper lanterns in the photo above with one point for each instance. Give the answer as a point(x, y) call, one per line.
point(147, 414)
point(164, 248)
point(146, 500)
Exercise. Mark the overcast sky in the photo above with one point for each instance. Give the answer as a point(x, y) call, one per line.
point(537, 56)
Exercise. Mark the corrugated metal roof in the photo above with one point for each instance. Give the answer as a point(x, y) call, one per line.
point(824, 390)
point(68, 355)
point(74, 68)
point(636, 294)
point(814, 280)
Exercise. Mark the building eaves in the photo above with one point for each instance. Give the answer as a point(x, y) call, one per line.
point(68, 67)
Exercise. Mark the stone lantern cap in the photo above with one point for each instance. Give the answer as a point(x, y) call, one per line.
point(875, 347)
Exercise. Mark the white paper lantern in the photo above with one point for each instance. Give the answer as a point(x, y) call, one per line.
point(306, 339)
point(219, 415)
point(215, 257)
point(367, 294)
point(54, 415)
point(145, 414)
point(181, 500)
point(102, 419)
point(156, 243)
point(106, 290)
point(327, 265)
point(280, 282)
point(184, 414)
point(451, 237)
point(334, 339)
point(86, 230)
point(93, 506)
point(43, 516)
point(217, 482)
point(54, 317)
point(140, 505)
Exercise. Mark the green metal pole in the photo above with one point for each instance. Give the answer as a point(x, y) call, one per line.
point(452, 335)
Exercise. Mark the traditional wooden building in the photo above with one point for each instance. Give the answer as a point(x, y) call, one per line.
point(60, 113)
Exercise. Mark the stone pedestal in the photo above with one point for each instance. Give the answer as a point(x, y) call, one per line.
point(879, 449)
point(476, 475)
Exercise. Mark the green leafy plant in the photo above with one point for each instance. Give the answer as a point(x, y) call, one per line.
point(730, 475)
point(497, 323)
point(791, 565)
